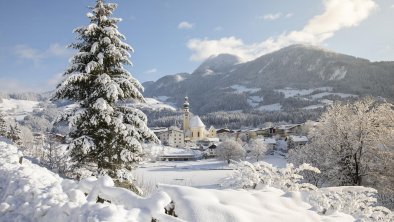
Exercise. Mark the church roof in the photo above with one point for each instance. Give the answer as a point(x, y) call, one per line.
point(196, 122)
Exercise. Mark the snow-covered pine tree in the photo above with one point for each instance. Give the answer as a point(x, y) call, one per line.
point(15, 134)
point(3, 126)
point(105, 135)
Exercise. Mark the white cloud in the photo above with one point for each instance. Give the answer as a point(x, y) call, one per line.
point(337, 15)
point(55, 49)
point(275, 16)
point(271, 17)
point(26, 52)
point(205, 48)
point(185, 25)
point(151, 71)
point(289, 15)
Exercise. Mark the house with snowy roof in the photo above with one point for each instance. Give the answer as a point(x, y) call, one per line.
point(298, 140)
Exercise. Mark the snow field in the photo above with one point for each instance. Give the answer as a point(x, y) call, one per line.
point(17, 109)
point(196, 205)
point(17, 106)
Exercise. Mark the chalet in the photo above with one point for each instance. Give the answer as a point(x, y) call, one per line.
point(286, 130)
point(265, 132)
point(270, 142)
point(222, 131)
point(298, 140)
point(211, 151)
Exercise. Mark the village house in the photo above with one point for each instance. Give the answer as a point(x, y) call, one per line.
point(298, 140)
point(172, 136)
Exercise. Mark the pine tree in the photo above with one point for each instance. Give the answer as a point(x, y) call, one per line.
point(290, 143)
point(106, 135)
point(15, 134)
point(3, 126)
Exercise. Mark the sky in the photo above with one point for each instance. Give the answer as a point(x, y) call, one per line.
point(174, 36)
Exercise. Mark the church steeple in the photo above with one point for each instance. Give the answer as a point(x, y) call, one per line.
point(186, 115)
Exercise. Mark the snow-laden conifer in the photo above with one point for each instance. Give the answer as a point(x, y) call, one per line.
point(105, 135)
point(15, 134)
point(3, 126)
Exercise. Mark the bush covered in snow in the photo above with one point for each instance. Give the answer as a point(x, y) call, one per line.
point(261, 174)
point(360, 202)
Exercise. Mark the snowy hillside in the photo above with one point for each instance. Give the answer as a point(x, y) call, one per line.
point(29, 192)
point(155, 104)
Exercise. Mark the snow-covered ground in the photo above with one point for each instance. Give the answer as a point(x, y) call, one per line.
point(17, 109)
point(323, 94)
point(207, 173)
point(29, 192)
point(243, 89)
point(270, 204)
point(315, 106)
point(290, 92)
point(154, 104)
point(201, 173)
point(254, 101)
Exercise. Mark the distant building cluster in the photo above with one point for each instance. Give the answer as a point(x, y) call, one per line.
point(196, 136)
point(194, 131)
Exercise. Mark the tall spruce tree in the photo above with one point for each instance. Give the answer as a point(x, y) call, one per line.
point(15, 134)
point(3, 126)
point(105, 134)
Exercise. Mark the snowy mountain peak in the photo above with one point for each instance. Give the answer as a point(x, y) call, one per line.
point(217, 64)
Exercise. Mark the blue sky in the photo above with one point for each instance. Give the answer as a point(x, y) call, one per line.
point(172, 36)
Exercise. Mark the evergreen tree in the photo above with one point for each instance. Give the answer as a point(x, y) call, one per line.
point(105, 134)
point(290, 143)
point(3, 126)
point(15, 134)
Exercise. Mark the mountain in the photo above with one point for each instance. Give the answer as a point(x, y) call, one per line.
point(298, 76)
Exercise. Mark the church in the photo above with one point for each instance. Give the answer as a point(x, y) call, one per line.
point(194, 129)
